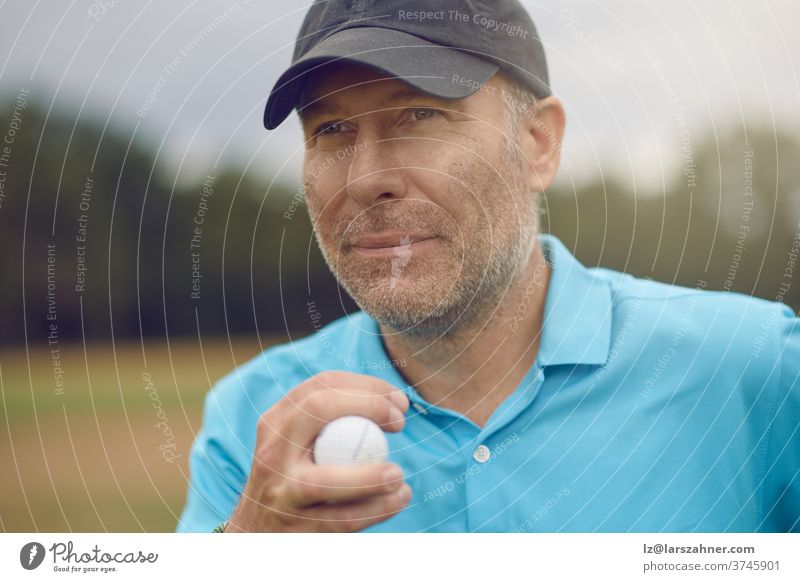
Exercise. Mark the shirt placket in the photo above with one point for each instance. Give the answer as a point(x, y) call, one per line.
point(481, 471)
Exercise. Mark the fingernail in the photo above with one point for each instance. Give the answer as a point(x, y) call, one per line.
point(395, 415)
point(400, 399)
point(404, 494)
point(392, 474)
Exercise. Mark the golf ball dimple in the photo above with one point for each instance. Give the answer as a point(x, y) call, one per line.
point(351, 440)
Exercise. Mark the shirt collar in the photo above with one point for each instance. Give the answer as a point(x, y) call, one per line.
point(577, 310)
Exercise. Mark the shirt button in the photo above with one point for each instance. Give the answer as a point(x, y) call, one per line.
point(482, 454)
point(420, 408)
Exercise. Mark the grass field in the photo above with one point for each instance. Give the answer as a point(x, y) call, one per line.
point(98, 439)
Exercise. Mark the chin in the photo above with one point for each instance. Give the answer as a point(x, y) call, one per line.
point(409, 308)
point(418, 324)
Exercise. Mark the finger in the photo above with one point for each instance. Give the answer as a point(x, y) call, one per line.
point(356, 515)
point(335, 483)
point(320, 407)
point(348, 382)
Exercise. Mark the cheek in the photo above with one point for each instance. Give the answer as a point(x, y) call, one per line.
point(465, 188)
point(436, 152)
point(324, 177)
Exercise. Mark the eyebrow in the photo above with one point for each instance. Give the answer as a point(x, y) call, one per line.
point(322, 106)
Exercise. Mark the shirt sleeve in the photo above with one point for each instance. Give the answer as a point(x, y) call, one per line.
point(216, 479)
point(782, 477)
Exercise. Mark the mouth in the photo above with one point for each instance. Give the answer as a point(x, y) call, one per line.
point(393, 244)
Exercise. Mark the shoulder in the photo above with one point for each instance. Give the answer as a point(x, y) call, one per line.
point(254, 386)
point(710, 327)
point(236, 401)
point(718, 312)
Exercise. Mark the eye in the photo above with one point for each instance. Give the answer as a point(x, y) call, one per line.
point(329, 128)
point(423, 113)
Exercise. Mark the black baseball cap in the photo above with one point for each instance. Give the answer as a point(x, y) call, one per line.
point(448, 48)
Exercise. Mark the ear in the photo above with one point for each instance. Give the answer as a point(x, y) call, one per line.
point(541, 133)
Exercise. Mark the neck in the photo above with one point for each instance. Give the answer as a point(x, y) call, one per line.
point(490, 354)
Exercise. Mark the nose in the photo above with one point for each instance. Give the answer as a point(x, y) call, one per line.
point(375, 174)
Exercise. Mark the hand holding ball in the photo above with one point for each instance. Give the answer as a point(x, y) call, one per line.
point(351, 440)
point(347, 485)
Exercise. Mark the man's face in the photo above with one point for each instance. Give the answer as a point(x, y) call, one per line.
point(418, 203)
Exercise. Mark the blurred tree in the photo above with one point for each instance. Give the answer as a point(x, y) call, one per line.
point(730, 219)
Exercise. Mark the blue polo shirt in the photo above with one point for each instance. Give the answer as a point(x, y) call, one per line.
point(649, 408)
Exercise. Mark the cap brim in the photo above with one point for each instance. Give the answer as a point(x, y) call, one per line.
point(431, 68)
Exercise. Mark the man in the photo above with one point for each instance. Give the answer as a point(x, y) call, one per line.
point(520, 391)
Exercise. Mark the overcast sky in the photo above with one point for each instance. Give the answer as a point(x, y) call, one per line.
point(622, 69)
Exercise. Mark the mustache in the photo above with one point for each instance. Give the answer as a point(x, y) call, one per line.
point(377, 220)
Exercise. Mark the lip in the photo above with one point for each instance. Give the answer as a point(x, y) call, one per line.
point(389, 244)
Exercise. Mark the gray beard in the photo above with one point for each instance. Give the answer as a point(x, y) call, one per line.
point(475, 290)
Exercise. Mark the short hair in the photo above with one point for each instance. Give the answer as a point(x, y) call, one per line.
point(519, 100)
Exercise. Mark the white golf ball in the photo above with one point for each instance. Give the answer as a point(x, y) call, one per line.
point(351, 440)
